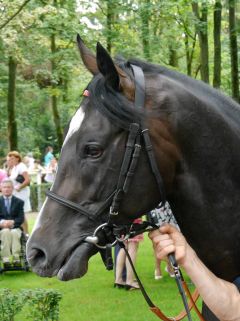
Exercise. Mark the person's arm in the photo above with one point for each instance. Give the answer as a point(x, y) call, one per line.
point(2, 218)
point(26, 181)
point(221, 297)
point(4, 223)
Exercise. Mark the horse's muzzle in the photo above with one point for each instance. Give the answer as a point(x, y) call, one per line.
point(37, 259)
point(66, 265)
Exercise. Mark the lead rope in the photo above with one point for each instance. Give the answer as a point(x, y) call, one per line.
point(182, 289)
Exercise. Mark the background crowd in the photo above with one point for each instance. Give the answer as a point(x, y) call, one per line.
point(16, 175)
point(24, 170)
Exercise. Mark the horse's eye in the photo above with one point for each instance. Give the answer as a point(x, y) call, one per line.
point(92, 150)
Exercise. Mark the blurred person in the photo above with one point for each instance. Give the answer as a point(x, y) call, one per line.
point(31, 160)
point(127, 280)
point(48, 156)
point(51, 170)
point(11, 218)
point(8, 166)
point(19, 174)
point(3, 175)
point(38, 172)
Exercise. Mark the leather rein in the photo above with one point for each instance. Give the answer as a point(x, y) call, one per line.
point(108, 234)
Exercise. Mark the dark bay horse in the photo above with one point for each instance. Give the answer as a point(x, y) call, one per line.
point(195, 132)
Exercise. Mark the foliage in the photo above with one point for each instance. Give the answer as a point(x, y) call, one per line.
point(43, 304)
point(163, 32)
point(10, 304)
point(27, 38)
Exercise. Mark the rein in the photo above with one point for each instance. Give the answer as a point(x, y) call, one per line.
point(108, 234)
point(178, 275)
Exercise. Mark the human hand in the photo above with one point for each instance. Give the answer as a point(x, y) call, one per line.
point(166, 240)
point(7, 224)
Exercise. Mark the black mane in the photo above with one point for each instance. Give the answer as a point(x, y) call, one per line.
point(122, 112)
point(205, 93)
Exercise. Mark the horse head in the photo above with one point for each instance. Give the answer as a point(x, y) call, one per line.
point(89, 166)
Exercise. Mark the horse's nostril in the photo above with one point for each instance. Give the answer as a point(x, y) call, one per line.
point(36, 256)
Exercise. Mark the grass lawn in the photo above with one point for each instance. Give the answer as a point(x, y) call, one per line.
point(93, 297)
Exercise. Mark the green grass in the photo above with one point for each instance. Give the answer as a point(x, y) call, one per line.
point(93, 297)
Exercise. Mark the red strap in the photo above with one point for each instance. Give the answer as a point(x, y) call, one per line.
point(191, 304)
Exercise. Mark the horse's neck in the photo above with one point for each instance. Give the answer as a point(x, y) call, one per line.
point(206, 183)
point(195, 138)
point(206, 171)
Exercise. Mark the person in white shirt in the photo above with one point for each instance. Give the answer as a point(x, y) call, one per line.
point(18, 172)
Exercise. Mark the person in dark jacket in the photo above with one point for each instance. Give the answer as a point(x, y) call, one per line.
point(11, 218)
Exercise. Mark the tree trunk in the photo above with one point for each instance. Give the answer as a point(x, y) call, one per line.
point(12, 124)
point(56, 117)
point(110, 21)
point(233, 50)
point(202, 31)
point(187, 50)
point(145, 17)
point(173, 59)
point(217, 44)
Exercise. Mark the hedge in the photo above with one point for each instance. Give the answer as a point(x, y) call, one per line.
point(37, 195)
point(41, 304)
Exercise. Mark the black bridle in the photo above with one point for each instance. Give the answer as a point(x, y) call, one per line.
point(107, 234)
point(138, 138)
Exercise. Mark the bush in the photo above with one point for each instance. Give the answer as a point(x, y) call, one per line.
point(43, 305)
point(10, 304)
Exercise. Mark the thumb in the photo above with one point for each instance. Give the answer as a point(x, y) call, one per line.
point(167, 229)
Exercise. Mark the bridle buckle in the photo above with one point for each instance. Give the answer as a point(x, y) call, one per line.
point(112, 212)
point(94, 239)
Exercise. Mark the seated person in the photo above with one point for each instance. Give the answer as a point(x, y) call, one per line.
point(11, 218)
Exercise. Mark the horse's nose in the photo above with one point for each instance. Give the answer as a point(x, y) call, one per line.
point(40, 259)
point(36, 257)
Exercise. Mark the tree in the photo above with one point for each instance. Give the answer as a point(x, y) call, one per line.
point(54, 99)
point(202, 31)
point(12, 124)
point(217, 44)
point(15, 14)
point(25, 40)
point(233, 50)
point(145, 13)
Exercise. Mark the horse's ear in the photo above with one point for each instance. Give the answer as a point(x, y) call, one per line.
point(114, 75)
point(88, 57)
point(107, 68)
